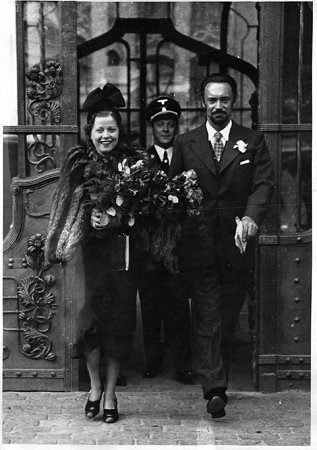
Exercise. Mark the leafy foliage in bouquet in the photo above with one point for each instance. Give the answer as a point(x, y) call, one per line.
point(175, 195)
point(166, 207)
point(116, 184)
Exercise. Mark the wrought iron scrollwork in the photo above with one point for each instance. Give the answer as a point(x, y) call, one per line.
point(41, 154)
point(38, 303)
point(44, 86)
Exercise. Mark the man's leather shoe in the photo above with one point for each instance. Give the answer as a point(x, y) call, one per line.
point(216, 404)
point(153, 365)
point(185, 376)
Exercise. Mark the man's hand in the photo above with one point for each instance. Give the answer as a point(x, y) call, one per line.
point(249, 228)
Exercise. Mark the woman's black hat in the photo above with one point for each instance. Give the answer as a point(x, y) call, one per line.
point(100, 99)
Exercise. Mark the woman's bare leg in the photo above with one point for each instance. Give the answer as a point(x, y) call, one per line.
point(112, 371)
point(93, 366)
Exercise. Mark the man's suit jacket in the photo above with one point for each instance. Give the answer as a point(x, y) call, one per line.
point(240, 185)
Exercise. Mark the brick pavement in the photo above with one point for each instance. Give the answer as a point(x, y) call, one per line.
point(159, 411)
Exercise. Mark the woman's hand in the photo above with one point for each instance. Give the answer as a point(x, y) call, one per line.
point(101, 220)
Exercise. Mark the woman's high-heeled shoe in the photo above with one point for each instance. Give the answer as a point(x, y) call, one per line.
point(92, 407)
point(111, 415)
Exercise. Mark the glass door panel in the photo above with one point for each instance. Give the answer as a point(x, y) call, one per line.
point(296, 184)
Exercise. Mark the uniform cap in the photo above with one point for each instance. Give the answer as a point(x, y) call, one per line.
point(162, 106)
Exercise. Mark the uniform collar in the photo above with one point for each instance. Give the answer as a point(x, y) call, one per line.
point(160, 151)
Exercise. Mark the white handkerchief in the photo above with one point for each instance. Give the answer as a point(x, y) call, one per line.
point(238, 236)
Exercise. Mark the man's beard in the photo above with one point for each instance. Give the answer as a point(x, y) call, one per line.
point(219, 117)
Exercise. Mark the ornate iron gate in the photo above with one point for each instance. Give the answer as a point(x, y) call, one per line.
point(37, 297)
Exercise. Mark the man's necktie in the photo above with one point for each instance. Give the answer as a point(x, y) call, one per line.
point(218, 145)
point(165, 164)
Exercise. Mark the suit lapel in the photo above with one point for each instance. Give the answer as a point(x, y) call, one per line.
point(230, 153)
point(201, 148)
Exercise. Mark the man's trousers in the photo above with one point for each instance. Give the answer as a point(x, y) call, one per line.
point(217, 291)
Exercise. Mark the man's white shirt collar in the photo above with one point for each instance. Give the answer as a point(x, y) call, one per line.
point(160, 151)
point(224, 132)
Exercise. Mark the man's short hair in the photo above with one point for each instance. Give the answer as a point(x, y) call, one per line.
point(219, 78)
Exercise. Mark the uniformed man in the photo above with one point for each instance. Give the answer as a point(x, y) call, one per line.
point(164, 304)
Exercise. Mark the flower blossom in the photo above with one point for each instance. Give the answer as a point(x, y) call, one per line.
point(119, 200)
point(111, 211)
point(173, 198)
point(241, 146)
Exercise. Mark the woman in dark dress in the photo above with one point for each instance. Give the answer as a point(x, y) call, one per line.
point(106, 322)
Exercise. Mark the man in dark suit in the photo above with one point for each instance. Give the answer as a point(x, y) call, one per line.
point(234, 171)
point(163, 300)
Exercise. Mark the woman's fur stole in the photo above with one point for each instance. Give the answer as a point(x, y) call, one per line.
point(70, 216)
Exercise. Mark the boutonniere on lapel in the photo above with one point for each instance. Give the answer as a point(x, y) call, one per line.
point(241, 146)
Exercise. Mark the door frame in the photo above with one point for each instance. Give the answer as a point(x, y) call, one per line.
point(276, 367)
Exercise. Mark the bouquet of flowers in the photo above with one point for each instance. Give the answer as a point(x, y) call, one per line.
point(165, 209)
point(177, 194)
point(130, 188)
point(116, 184)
